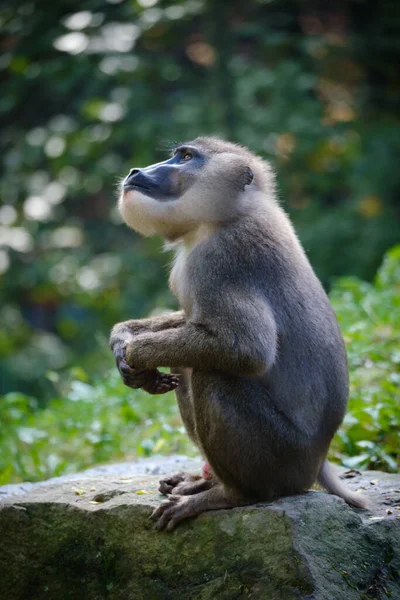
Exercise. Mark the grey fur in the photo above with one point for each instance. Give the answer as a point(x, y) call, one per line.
point(266, 379)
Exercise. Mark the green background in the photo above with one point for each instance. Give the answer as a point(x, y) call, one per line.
point(89, 90)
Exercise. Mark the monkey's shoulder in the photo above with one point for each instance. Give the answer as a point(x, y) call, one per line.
point(244, 262)
point(243, 252)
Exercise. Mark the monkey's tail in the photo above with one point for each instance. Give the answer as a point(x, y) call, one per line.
point(331, 482)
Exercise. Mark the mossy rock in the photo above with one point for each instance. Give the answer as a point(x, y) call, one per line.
point(91, 538)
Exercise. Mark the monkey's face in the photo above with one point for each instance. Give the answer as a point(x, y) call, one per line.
point(149, 195)
point(166, 181)
point(200, 183)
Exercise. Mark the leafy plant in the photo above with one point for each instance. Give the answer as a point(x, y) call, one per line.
point(369, 315)
point(87, 425)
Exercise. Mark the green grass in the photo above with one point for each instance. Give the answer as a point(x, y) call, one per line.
point(94, 423)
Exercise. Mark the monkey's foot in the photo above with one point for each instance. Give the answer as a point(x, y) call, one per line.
point(153, 381)
point(176, 508)
point(188, 488)
point(169, 484)
point(185, 484)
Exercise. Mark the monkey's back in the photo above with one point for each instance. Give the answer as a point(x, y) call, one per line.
point(287, 416)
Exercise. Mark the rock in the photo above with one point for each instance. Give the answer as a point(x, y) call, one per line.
point(90, 537)
point(156, 465)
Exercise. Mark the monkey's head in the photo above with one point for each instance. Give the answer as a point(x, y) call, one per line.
point(206, 181)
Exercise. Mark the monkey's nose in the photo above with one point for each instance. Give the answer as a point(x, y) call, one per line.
point(128, 179)
point(137, 178)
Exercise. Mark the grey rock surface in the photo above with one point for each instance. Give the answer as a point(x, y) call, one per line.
point(156, 465)
point(89, 536)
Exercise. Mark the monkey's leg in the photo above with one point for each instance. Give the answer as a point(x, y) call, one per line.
point(177, 508)
point(185, 402)
point(150, 380)
point(181, 482)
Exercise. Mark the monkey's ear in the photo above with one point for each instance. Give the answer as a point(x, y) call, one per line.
point(248, 177)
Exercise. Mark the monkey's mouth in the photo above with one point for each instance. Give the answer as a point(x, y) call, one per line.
point(140, 188)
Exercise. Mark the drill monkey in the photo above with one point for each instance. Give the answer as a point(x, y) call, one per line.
point(259, 363)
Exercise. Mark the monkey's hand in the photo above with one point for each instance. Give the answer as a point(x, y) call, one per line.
point(151, 381)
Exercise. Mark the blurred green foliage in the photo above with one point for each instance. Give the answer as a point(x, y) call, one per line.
point(85, 425)
point(92, 423)
point(91, 88)
point(369, 316)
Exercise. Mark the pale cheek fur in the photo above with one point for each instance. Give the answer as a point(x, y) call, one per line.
point(148, 216)
point(138, 210)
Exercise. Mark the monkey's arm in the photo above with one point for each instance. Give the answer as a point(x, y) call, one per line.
point(128, 329)
point(151, 380)
point(244, 342)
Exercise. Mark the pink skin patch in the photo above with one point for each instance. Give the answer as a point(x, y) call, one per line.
point(207, 471)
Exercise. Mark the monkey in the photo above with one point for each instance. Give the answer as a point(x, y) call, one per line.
point(257, 359)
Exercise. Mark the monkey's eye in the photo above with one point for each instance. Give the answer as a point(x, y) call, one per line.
point(187, 156)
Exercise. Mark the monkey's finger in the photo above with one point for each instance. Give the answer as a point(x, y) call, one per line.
point(161, 385)
point(132, 383)
point(166, 378)
point(160, 390)
point(163, 388)
point(125, 369)
point(134, 378)
point(170, 377)
point(152, 387)
point(135, 381)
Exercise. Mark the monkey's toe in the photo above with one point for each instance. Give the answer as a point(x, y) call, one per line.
point(168, 483)
point(180, 483)
point(165, 488)
point(188, 488)
point(169, 513)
